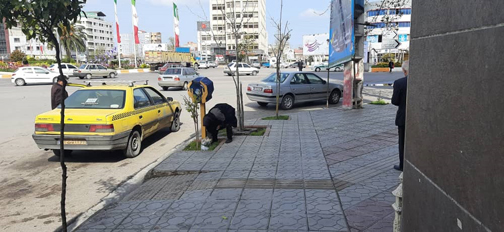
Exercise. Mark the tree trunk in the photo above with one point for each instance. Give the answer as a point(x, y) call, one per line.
point(277, 86)
point(241, 127)
point(62, 139)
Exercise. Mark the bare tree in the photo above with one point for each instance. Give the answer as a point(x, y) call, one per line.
point(282, 37)
point(234, 21)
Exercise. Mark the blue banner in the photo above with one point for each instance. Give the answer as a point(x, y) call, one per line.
point(341, 32)
point(403, 38)
point(372, 38)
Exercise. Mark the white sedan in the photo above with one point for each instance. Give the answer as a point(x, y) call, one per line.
point(33, 75)
point(242, 69)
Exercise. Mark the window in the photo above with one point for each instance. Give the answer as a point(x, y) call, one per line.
point(28, 70)
point(38, 48)
point(17, 48)
point(298, 79)
point(155, 96)
point(71, 66)
point(141, 100)
point(101, 67)
point(39, 71)
point(273, 77)
point(404, 24)
point(240, 66)
point(28, 48)
point(91, 67)
point(246, 66)
point(314, 79)
point(17, 40)
point(172, 71)
point(96, 99)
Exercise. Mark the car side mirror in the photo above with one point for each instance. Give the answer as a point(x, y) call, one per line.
point(169, 99)
point(197, 73)
point(324, 82)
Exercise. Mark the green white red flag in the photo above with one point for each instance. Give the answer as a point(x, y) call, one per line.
point(117, 22)
point(176, 25)
point(135, 21)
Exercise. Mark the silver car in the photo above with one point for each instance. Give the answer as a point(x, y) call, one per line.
point(294, 87)
point(94, 70)
point(177, 77)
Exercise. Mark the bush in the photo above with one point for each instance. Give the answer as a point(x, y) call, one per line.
point(380, 65)
point(144, 66)
point(397, 64)
point(17, 56)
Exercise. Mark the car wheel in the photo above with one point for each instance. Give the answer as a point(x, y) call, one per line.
point(57, 152)
point(335, 96)
point(20, 82)
point(254, 73)
point(262, 103)
point(165, 88)
point(186, 86)
point(317, 69)
point(81, 78)
point(229, 74)
point(134, 145)
point(176, 123)
point(112, 75)
point(287, 102)
point(88, 76)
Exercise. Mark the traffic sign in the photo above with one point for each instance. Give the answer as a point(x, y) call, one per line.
point(390, 44)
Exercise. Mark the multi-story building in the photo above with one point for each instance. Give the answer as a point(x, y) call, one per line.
point(34, 48)
point(386, 22)
point(127, 45)
point(4, 43)
point(100, 36)
point(252, 16)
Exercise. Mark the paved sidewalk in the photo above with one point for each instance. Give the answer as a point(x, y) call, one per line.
point(326, 170)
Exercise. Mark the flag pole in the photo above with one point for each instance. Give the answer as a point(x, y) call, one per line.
point(118, 35)
point(134, 38)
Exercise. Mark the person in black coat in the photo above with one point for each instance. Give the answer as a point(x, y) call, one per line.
point(399, 99)
point(300, 65)
point(219, 117)
point(56, 89)
point(391, 65)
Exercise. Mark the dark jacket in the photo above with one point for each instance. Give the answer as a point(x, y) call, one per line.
point(391, 64)
point(220, 115)
point(56, 98)
point(300, 64)
point(399, 99)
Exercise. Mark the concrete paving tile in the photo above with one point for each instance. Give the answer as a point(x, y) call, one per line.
point(385, 224)
point(323, 207)
point(254, 206)
point(320, 195)
point(226, 194)
point(104, 221)
point(288, 194)
point(140, 221)
point(185, 206)
point(121, 207)
point(360, 219)
point(257, 194)
point(198, 195)
point(288, 222)
point(176, 221)
point(236, 174)
point(218, 221)
point(355, 194)
point(288, 207)
point(250, 221)
point(327, 222)
point(93, 230)
point(153, 206)
point(219, 206)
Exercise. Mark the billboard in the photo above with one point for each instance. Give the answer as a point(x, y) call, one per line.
point(315, 44)
point(341, 32)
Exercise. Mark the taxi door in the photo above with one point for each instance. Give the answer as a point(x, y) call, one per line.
point(144, 112)
point(163, 112)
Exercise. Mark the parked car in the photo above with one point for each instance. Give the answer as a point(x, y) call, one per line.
point(295, 64)
point(294, 87)
point(212, 64)
point(94, 70)
point(242, 69)
point(265, 64)
point(177, 77)
point(34, 75)
point(68, 69)
point(256, 65)
point(108, 117)
point(203, 64)
point(323, 67)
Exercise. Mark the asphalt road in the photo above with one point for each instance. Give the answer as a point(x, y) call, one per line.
point(30, 178)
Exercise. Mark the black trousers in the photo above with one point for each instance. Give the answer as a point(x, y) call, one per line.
point(300, 69)
point(401, 130)
point(229, 133)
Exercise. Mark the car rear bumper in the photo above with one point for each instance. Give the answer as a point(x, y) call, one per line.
point(93, 142)
point(171, 83)
point(262, 98)
point(79, 74)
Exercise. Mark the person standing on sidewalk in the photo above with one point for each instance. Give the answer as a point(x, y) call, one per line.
point(56, 89)
point(300, 65)
point(399, 99)
point(219, 117)
point(391, 65)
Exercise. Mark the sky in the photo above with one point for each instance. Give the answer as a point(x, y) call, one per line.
point(157, 16)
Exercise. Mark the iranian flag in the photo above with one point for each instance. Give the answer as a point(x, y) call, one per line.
point(135, 21)
point(176, 24)
point(117, 22)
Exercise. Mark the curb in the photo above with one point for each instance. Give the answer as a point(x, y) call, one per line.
point(385, 84)
point(134, 70)
point(6, 75)
point(128, 185)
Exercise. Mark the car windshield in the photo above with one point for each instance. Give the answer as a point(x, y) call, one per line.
point(82, 66)
point(95, 99)
point(172, 71)
point(273, 76)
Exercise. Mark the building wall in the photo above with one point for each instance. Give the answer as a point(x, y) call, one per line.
point(100, 33)
point(33, 47)
point(453, 174)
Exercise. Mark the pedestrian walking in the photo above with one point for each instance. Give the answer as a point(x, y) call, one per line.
point(399, 99)
point(56, 90)
point(219, 117)
point(391, 65)
point(300, 65)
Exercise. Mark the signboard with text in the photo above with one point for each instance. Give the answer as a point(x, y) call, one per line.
point(341, 32)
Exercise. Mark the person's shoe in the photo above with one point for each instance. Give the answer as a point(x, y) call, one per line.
point(229, 140)
point(398, 168)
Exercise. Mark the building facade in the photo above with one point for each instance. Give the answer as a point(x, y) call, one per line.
point(100, 36)
point(251, 14)
point(388, 24)
point(34, 48)
point(127, 46)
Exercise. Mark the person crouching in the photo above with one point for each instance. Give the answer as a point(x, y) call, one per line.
point(219, 117)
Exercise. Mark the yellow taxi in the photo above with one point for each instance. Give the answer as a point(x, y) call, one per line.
point(108, 117)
